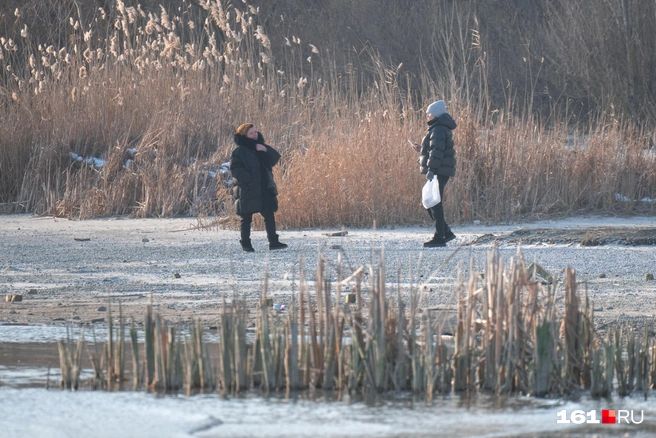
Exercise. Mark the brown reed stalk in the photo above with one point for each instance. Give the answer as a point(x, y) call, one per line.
point(469, 350)
point(624, 372)
point(544, 359)
point(255, 361)
point(240, 363)
point(610, 365)
point(524, 326)
point(204, 368)
point(292, 350)
point(381, 316)
point(338, 345)
point(305, 346)
point(461, 354)
point(572, 330)
point(642, 383)
point(587, 341)
point(632, 349)
point(264, 338)
point(653, 366)
point(358, 364)
point(196, 368)
point(120, 349)
point(279, 341)
point(400, 365)
point(149, 340)
point(111, 352)
point(414, 348)
point(137, 377)
point(226, 338)
point(499, 333)
point(445, 368)
point(508, 352)
point(492, 306)
point(329, 354)
point(603, 367)
point(173, 362)
point(316, 329)
point(375, 337)
point(115, 350)
point(464, 355)
point(159, 341)
point(96, 359)
point(429, 358)
point(339, 327)
point(70, 358)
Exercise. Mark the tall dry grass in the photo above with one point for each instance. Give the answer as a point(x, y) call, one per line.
point(172, 85)
point(512, 335)
point(583, 56)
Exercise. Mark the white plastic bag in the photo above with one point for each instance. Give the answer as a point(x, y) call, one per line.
point(430, 193)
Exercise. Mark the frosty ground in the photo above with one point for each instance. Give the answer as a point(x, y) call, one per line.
point(71, 272)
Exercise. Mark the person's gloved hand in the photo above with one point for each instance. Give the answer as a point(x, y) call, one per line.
point(430, 175)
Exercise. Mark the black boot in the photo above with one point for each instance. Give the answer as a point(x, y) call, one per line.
point(435, 242)
point(449, 236)
point(274, 243)
point(246, 245)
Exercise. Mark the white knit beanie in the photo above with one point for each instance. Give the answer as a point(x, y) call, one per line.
point(436, 108)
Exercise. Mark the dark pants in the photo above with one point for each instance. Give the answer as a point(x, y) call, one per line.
point(437, 213)
point(269, 225)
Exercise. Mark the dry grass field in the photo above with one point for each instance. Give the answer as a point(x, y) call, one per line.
point(126, 111)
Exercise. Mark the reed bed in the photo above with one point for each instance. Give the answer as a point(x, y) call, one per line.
point(157, 95)
point(70, 360)
point(513, 335)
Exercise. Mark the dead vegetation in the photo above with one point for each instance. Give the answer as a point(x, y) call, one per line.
point(513, 335)
point(129, 110)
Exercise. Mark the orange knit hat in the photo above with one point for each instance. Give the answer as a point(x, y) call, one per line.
point(243, 129)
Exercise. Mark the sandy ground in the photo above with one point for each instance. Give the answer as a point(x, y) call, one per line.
point(70, 272)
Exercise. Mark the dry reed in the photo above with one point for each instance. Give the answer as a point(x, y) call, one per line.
point(70, 358)
point(157, 96)
point(513, 335)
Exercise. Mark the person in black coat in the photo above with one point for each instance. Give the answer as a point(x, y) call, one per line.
point(255, 190)
point(438, 160)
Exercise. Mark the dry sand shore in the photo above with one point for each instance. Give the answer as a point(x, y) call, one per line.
point(69, 272)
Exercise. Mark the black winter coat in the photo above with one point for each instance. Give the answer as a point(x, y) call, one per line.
point(437, 152)
point(255, 190)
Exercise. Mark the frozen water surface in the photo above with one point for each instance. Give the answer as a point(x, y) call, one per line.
point(54, 413)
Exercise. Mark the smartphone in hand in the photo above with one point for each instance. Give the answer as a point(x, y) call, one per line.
point(417, 148)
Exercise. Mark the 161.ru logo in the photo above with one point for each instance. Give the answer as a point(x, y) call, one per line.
point(608, 416)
